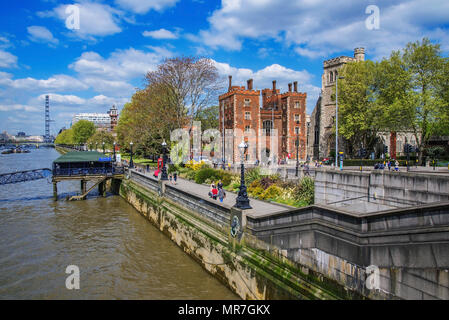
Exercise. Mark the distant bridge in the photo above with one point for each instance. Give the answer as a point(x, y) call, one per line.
point(24, 176)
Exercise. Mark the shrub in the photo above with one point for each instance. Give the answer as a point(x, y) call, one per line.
point(206, 173)
point(266, 182)
point(225, 177)
point(305, 191)
point(252, 175)
point(190, 175)
point(271, 193)
point(255, 192)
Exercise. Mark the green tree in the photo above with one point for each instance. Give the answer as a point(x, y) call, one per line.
point(208, 117)
point(97, 139)
point(358, 111)
point(65, 137)
point(422, 106)
point(82, 131)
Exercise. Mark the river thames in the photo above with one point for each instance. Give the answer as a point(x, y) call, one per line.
point(120, 255)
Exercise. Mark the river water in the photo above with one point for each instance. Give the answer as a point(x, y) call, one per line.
point(120, 255)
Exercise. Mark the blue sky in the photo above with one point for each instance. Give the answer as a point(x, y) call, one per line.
point(118, 41)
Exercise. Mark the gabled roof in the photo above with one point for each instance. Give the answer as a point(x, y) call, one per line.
point(82, 156)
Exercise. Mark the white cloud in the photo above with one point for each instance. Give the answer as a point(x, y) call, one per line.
point(320, 28)
point(41, 34)
point(19, 107)
point(7, 60)
point(58, 82)
point(160, 34)
point(62, 99)
point(143, 6)
point(121, 64)
point(95, 19)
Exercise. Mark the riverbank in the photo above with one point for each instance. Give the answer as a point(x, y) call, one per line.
point(251, 268)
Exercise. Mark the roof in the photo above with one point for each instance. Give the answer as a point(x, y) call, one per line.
point(82, 156)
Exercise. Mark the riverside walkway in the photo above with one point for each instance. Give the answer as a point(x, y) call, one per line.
point(200, 190)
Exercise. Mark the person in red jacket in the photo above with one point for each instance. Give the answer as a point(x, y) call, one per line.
point(214, 192)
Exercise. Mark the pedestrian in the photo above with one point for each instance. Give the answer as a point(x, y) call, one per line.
point(396, 165)
point(221, 194)
point(175, 177)
point(213, 192)
point(220, 185)
point(170, 177)
point(389, 165)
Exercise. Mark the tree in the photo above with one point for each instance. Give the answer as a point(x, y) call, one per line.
point(208, 117)
point(65, 137)
point(191, 84)
point(97, 139)
point(82, 131)
point(358, 111)
point(422, 106)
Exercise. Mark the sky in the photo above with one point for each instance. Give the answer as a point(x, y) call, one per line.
point(90, 54)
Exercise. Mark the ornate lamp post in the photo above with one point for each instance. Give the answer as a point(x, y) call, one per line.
point(164, 175)
point(131, 163)
point(103, 147)
point(242, 201)
point(114, 159)
point(297, 156)
point(96, 144)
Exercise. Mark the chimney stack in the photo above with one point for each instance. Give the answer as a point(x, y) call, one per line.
point(295, 86)
point(230, 83)
point(289, 87)
point(274, 86)
point(250, 84)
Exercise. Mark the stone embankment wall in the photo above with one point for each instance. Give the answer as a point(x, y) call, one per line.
point(316, 252)
point(250, 268)
point(406, 247)
point(396, 189)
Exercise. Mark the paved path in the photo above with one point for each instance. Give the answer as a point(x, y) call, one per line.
point(259, 207)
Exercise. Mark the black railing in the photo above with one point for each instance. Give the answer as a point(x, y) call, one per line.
point(87, 171)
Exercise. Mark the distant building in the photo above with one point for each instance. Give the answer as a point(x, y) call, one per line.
point(21, 134)
point(103, 121)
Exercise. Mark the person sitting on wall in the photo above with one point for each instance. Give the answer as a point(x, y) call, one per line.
point(214, 192)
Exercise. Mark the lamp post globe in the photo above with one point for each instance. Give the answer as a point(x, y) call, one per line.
point(164, 175)
point(131, 163)
point(242, 200)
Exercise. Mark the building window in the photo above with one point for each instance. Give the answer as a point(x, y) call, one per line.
point(296, 130)
point(267, 125)
point(247, 128)
point(331, 77)
point(297, 118)
point(247, 115)
point(296, 104)
point(247, 102)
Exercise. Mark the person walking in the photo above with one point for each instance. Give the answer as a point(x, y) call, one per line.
point(396, 165)
point(221, 193)
point(175, 177)
point(389, 164)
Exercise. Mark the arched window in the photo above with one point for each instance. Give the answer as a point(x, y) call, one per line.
point(331, 77)
point(267, 126)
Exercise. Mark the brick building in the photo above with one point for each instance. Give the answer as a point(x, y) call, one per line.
point(285, 112)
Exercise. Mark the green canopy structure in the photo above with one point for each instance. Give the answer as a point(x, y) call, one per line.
point(82, 156)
